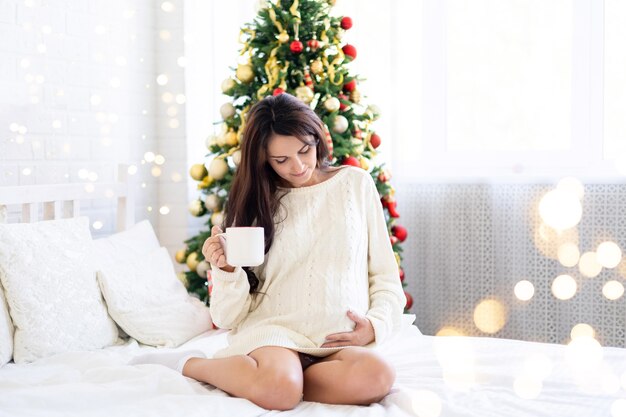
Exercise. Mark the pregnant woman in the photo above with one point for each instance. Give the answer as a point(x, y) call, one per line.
point(305, 321)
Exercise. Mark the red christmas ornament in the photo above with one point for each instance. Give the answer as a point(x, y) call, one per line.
point(401, 272)
point(391, 207)
point(313, 44)
point(384, 176)
point(349, 50)
point(342, 98)
point(278, 91)
point(307, 79)
point(399, 232)
point(296, 47)
point(351, 160)
point(375, 140)
point(409, 300)
point(393, 240)
point(358, 133)
point(350, 86)
point(346, 23)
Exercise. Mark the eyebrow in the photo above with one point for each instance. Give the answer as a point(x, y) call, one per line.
point(282, 156)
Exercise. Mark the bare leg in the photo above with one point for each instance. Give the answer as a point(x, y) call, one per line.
point(353, 375)
point(270, 377)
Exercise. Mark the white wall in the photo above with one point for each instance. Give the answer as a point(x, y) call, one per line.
point(80, 95)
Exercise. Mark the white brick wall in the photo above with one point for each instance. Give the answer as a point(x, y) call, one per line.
point(79, 80)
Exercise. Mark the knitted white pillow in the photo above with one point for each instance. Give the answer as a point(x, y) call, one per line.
point(6, 331)
point(124, 246)
point(51, 289)
point(148, 301)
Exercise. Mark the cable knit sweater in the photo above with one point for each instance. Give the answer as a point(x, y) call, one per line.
point(331, 253)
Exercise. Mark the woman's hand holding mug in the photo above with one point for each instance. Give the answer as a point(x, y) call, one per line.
point(214, 252)
point(239, 246)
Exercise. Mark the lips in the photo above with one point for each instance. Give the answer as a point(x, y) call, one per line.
point(300, 174)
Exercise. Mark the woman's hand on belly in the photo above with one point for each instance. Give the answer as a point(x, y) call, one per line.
point(363, 333)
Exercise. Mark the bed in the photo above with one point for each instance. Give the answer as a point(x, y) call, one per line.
point(436, 376)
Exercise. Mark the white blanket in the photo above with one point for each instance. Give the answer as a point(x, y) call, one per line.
point(443, 376)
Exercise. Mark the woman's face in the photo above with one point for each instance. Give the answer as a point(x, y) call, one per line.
point(293, 160)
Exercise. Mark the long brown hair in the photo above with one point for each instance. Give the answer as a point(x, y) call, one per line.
point(253, 199)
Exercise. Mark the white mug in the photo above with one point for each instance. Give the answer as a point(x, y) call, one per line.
point(244, 246)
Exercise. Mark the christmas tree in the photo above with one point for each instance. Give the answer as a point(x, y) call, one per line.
point(293, 47)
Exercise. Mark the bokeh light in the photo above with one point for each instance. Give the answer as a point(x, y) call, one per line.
point(572, 185)
point(564, 287)
point(560, 209)
point(548, 240)
point(613, 290)
point(524, 290)
point(609, 255)
point(568, 254)
point(164, 210)
point(584, 354)
point(457, 359)
point(449, 331)
point(490, 316)
point(588, 265)
point(582, 330)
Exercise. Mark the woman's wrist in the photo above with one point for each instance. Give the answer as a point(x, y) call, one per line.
point(228, 268)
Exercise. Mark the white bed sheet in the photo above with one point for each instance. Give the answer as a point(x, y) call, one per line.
point(465, 376)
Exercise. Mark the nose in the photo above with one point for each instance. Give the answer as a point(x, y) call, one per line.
point(298, 166)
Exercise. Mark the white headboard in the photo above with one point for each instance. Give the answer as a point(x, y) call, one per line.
point(58, 201)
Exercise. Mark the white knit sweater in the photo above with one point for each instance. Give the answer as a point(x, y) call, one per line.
point(331, 252)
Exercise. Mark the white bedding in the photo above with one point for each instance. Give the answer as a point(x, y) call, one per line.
point(479, 380)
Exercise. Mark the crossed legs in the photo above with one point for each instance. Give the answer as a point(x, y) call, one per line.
point(272, 377)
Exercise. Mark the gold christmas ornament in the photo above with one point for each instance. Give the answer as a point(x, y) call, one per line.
point(192, 261)
point(331, 104)
point(317, 67)
point(180, 256)
point(340, 124)
point(355, 96)
point(197, 172)
point(236, 157)
point(195, 208)
point(210, 141)
point(217, 218)
point(213, 202)
point(202, 268)
point(182, 277)
point(364, 163)
point(283, 37)
point(228, 84)
point(244, 73)
point(231, 138)
point(218, 168)
point(227, 111)
point(304, 93)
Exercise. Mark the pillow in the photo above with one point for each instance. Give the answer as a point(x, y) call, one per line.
point(148, 301)
point(6, 332)
point(51, 289)
point(123, 246)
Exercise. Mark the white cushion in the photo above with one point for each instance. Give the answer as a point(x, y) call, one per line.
point(51, 289)
point(123, 246)
point(146, 299)
point(6, 331)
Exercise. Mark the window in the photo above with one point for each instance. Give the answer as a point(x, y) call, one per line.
point(516, 89)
